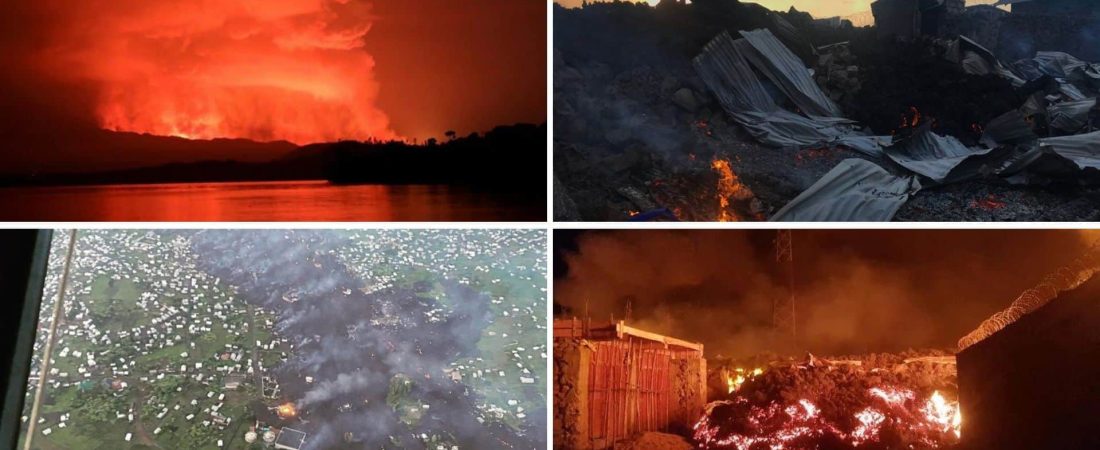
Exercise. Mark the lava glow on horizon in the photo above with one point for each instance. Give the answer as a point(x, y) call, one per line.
point(291, 70)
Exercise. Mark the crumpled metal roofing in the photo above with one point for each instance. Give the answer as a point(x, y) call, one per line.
point(1070, 116)
point(1008, 128)
point(860, 190)
point(1065, 65)
point(932, 155)
point(856, 190)
point(788, 73)
point(727, 68)
point(1082, 149)
point(977, 60)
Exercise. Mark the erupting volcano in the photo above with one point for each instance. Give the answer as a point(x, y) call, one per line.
point(305, 101)
point(291, 70)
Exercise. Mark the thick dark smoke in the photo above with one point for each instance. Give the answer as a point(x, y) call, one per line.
point(857, 291)
point(353, 344)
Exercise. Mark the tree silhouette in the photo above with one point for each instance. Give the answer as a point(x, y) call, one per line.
point(450, 134)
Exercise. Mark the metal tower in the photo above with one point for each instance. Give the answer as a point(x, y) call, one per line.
point(783, 309)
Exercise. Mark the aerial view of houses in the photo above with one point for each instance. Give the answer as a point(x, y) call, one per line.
point(290, 339)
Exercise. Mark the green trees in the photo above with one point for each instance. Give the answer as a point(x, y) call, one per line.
point(97, 406)
point(198, 436)
point(400, 386)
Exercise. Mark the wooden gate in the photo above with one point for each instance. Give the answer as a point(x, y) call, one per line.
point(628, 390)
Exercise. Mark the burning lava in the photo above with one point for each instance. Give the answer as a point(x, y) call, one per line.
point(871, 402)
point(892, 415)
point(290, 70)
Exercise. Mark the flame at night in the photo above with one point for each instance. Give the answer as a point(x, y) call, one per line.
point(739, 377)
point(729, 188)
point(273, 70)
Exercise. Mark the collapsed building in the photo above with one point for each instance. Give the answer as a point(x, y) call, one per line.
point(718, 110)
point(613, 381)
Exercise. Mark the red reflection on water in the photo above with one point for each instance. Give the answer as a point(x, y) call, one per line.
point(314, 201)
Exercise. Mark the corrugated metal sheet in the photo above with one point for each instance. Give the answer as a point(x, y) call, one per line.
point(855, 190)
point(724, 68)
point(1083, 149)
point(1008, 128)
point(977, 60)
point(787, 71)
point(932, 155)
point(1071, 116)
point(729, 69)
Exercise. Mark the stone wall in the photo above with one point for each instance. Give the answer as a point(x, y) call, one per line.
point(689, 381)
point(571, 359)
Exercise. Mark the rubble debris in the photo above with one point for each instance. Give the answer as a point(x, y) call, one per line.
point(1009, 128)
point(826, 403)
point(1072, 116)
point(1083, 149)
point(837, 72)
point(564, 207)
point(855, 190)
point(729, 68)
point(644, 106)
point(933, 156)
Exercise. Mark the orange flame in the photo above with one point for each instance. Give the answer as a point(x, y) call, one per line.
point(286, 410)
point(290, 70)
point(739, 377)
point(729, 187)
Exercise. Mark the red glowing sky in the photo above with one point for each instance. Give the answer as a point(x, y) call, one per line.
point(298, 70)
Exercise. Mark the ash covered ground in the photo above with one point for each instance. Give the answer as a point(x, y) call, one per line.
point(639, 135)
point(359, 339)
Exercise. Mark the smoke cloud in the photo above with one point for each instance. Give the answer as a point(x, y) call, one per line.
point(264, 70)
point(857, 291)
point(354, 344)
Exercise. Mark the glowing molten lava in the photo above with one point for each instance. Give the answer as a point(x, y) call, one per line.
point(274, 70)
point(739, 424)
point(729, 188)
point(286, 410)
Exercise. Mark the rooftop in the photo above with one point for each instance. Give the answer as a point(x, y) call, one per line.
point(290, 438)
point(584, 329)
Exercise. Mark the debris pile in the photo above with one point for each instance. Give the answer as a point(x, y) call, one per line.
point(870, 127)
point(838, 73)
point(872, 401)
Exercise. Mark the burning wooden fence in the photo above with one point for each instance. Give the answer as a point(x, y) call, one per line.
point(613, 381)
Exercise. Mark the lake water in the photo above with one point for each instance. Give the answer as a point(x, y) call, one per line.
point(280, 201)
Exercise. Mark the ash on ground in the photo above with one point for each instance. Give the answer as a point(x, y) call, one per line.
point(1010, 97)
